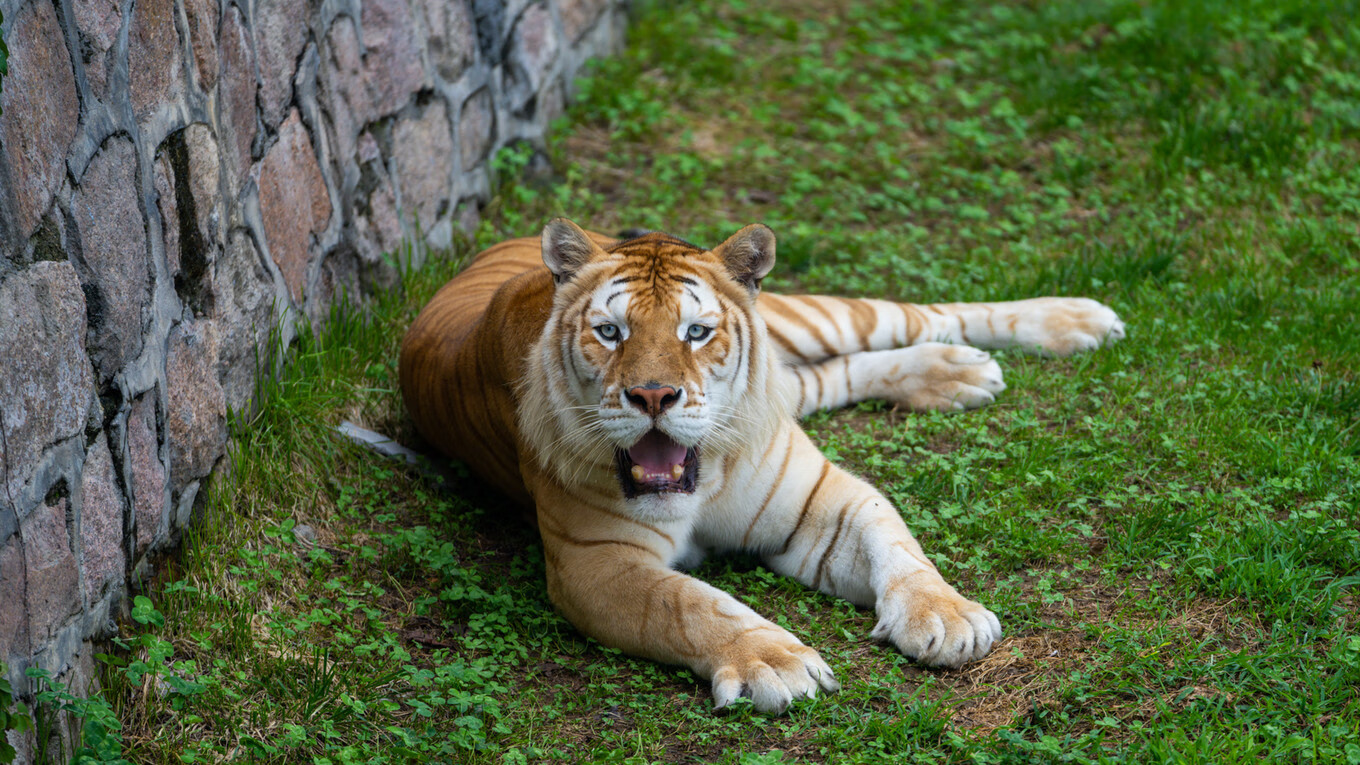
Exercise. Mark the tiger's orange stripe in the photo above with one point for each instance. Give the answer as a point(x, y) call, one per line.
point(578, 542)
point(821, 564)
point(814, 328)
point(774, 486)
point(802, 516)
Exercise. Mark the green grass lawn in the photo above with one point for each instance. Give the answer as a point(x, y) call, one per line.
point(1168, 528)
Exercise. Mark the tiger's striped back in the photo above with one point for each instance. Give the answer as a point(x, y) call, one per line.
point(464, 352)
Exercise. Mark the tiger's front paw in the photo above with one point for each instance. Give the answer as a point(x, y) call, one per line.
point(936, 625)
point(772, 668)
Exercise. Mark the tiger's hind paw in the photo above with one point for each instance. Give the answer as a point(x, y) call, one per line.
point(1072, 325)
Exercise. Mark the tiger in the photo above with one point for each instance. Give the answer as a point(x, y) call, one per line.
point(639, 399)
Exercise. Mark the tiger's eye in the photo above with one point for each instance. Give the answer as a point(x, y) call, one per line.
point(608, 331)
point(697, 332)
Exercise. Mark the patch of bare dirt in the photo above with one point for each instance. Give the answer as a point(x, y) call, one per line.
point(1027, 670)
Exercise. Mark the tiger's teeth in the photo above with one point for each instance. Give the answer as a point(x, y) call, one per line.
point(677, 471)
point(637, 473)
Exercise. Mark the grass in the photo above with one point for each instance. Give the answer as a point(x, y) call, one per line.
point(1169, 528)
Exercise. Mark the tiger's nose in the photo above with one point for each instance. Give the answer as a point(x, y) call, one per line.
point(653, 399)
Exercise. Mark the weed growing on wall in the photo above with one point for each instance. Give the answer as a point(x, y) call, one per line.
point(13, 717)
point(65, 716)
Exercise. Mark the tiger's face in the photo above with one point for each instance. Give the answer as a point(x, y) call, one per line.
point(656, 345)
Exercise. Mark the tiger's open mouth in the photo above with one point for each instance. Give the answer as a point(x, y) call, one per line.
point(656, 464)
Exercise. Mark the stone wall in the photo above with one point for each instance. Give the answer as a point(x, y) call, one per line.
point(179, 177)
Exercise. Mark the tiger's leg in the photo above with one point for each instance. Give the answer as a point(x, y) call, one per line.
point(807, 329)
point(611, 577)
point(837, 534)
point(925, 377)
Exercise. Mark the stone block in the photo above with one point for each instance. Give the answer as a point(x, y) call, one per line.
point(476, 126)
point(376, 78)
point(578, 16)
point(47, 386)
point(422, 150)
point(451, 36)
point(238, 91)
point(13, 620)
point(155, 73)
point(205, 169)
point(193, 172)
point(39, 112)
point(342, 85)
point(196, 420)
point(115, 273)
point(280, 35)
point(149, 498)
point(392, 70)
point(101, 522)
point(533, 48)
point(293, 202)
point(51, 574)
point(98, 23)
point(379, 229)
point(243, 297)
point(203, 18)
point(340, 279)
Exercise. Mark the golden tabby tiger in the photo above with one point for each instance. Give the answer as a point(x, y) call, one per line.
point(642, 398)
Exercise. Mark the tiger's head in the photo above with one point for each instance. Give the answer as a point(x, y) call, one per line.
point(653, 361)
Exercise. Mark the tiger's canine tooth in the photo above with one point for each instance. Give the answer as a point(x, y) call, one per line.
point(637, 472)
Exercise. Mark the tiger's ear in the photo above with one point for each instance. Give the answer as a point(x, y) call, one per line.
point(565, 248)
point(749, 254)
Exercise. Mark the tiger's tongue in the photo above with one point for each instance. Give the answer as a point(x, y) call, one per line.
point(656, 453)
